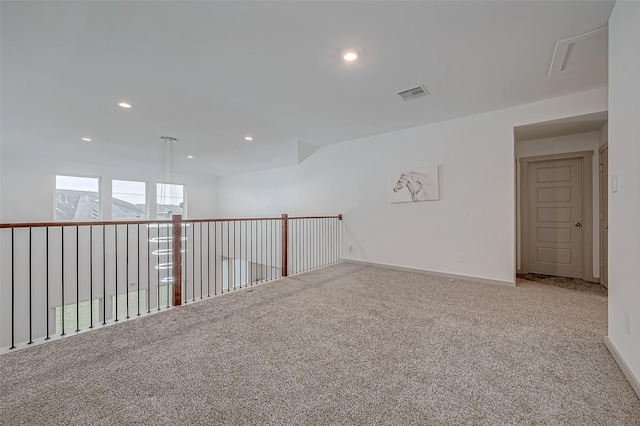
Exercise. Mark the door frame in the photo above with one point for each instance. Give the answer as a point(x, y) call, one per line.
point(605, 193)
point(587, 208)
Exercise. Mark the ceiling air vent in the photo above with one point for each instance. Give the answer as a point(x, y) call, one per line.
point(413, 93)
point(587, 49)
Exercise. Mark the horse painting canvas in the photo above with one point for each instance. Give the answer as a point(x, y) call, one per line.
point(416, 185)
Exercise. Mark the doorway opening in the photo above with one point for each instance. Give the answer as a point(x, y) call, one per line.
point(560, 213)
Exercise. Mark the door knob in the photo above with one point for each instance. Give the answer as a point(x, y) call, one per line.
point(577, 225)
point(606, 226)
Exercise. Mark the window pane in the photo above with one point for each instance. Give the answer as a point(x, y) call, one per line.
point(71, 317)
point(134, 301)
point(165, 294)
point(225, 274)
point(235, 272)
point(170, 200)
point(241, 271)
point(128, 200)
point(77, 198)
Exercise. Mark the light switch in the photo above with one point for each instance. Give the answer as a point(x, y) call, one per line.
point(614, 183)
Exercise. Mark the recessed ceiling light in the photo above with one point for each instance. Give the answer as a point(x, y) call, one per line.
point(190, 157)
point(124, 105)
point(248, 138)
point(350, 55)
point(86, 139)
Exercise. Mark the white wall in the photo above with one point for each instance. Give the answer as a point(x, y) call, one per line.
point(604, 134)
point(474, 217)
point(624, 205)
point(561, 145)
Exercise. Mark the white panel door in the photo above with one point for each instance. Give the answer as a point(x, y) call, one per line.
point(555, 218)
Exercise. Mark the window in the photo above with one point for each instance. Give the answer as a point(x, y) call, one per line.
point(128, 200)
point(169, 200)
point(133, 304)
point(165, 293)
point(70, 315)
point(238, 269)
point(77, 198)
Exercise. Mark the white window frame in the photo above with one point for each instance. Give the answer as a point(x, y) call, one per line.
point(146, 199)
point(75, 175)
point(184, 198)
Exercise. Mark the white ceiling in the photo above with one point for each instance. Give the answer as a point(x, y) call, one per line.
point(210, 73)
point(562, 127)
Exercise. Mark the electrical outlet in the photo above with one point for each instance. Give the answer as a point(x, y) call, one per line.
point(627, 323)
point(460, 258)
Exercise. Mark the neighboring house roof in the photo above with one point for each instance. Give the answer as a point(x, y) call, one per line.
point(85, 205)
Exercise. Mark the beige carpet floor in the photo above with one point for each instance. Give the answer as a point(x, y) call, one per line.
point(347, 344)
point(565, 282)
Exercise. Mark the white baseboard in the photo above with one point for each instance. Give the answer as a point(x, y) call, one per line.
point(633, 380)
point(434, 273)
